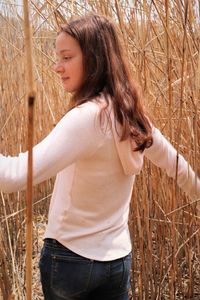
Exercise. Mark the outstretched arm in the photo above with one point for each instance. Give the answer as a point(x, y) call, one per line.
point(76, 136)
point(164, 155)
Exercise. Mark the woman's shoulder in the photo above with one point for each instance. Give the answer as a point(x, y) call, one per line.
point(93, 108)
point(96, 103)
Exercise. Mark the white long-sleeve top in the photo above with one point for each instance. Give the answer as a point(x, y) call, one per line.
point(95, 174)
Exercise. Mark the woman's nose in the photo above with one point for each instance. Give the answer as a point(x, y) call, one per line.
point(58, 68)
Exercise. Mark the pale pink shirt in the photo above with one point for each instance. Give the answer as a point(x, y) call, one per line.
point(95, 174)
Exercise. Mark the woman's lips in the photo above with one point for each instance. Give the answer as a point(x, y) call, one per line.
point(64, 79)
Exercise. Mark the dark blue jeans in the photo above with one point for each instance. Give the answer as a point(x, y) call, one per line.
point(66, 275)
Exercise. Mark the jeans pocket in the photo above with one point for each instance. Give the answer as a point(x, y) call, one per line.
point(70, 276)
point(45, 267)
point(127, 262)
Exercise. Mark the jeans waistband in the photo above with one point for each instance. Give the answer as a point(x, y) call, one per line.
point(53, 243)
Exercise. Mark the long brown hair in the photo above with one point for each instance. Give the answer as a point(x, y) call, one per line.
point(106, 70)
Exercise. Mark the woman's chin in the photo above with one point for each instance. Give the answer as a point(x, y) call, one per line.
point(69, 90)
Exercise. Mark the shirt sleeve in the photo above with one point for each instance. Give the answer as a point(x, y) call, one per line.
point(76, 136)
point(164, 155)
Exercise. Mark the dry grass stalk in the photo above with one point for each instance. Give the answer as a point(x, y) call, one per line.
point(29, 193)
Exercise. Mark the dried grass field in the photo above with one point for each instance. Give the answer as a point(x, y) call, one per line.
point(162, 40)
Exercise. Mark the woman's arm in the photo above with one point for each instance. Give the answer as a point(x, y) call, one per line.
point(164, 155)
point(76, 136)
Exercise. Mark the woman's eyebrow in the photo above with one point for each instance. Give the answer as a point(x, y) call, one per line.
point(64, 50)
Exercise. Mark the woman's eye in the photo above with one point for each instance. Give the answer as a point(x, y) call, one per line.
point(67, 58)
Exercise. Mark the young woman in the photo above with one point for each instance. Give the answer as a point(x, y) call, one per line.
point(96, 150)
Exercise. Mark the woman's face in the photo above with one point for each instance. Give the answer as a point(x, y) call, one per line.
point(70, 62)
